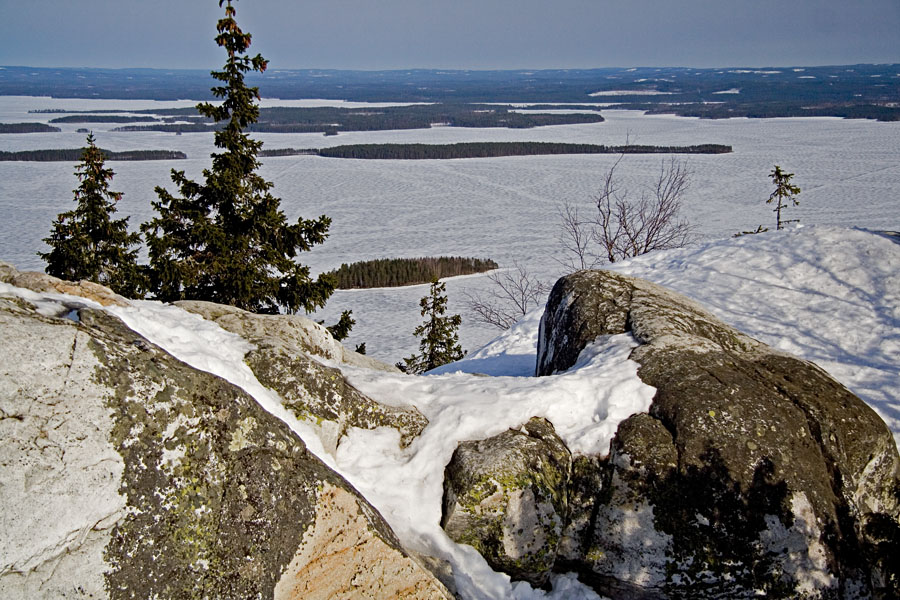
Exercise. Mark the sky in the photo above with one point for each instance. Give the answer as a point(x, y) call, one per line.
point(454, 34)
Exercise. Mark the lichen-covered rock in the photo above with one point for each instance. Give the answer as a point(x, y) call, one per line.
point(125, 473)
point(625, 554)
point(284, 359)
point(754, 472)
point(506, 497)
point(41, 282)
point(290, 333)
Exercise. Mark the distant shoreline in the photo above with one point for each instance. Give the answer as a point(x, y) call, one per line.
point(487, 150)
point(17, 128)
point(75, 154)
point(858, 91)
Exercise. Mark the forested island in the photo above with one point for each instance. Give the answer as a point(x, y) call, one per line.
point(331, 120)
point(287, 152)
point(497, 149)
point(395, 272)
point(27, 128)
point(770, 110)
point(75, 154)
point(102, 119)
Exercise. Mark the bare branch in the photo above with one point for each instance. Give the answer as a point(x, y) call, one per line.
point(488, 311)
point(608, 231)
point(623, 227)
point(575, 236)
point(514, 293)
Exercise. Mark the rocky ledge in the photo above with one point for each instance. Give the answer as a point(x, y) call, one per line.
point(754, 473)
point(128, 474)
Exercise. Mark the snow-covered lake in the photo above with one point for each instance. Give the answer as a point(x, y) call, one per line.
point(500, 208)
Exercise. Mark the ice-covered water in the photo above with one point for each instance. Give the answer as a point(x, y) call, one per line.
point(501, 208)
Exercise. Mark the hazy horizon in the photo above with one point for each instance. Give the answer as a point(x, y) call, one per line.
point(458, 35)
point(485, 69)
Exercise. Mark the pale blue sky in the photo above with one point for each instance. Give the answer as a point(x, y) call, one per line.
point(474, 34)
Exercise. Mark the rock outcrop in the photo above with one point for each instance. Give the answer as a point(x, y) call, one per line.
point(287, 357)
point(289, 333)
point(41, 282)
point(125, 473)
point(753, 472)
point(506, 497)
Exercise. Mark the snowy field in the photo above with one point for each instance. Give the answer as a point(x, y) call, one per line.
point(499, 208)
point(826, 291)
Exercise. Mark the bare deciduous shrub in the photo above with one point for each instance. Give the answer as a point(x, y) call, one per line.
point(514, 293)
point(624, 226)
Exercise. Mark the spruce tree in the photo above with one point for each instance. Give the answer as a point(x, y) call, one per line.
point(340, 330)
point(785, 193)
point(440, 341)
point(87, 243)
point(226, 240)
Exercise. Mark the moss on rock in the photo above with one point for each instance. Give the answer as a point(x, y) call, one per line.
point(287, 357)
point(754, 471)
point(506, 496)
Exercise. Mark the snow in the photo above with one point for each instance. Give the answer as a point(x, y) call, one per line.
point(585, 404)
point(207, 347)
point(808, 564)
point(499, 208)
point(630, 93)
point(824, 293)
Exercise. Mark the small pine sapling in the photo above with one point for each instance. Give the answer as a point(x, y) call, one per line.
point(440, 341)
point(785, 193)
point(340, 330)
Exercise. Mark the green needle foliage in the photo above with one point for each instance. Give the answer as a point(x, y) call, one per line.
point(340, 330)
point(783, 195)
point(86, 242)
point(440, 341)
point(226, 240)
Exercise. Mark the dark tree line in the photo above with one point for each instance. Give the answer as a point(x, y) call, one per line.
point(772, 110)
point(171, 128)
point(75, 154)
point(27, 128)
point(496, 149)
point(393, 272)
point(102, 119)
point(288, 152)
point(333, 119)
point(837, 83)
